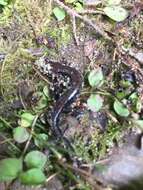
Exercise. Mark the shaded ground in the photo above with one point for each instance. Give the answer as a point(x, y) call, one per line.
point(94, 135)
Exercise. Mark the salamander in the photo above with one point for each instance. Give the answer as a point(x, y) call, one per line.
point(51, 68)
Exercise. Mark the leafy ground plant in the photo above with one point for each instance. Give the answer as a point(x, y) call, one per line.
point(102, 40)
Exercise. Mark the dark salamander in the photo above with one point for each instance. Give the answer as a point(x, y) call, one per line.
point(55, 68)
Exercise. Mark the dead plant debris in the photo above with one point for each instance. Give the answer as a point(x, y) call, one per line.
point(101, 39)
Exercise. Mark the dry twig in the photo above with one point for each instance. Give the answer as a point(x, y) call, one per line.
point(74, 15)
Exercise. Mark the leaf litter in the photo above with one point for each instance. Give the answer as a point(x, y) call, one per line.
point(114, 50)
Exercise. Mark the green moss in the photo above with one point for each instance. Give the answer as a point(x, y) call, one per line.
point(16, 66)
point(61, 34)
point(100, 143)
point(5, 16)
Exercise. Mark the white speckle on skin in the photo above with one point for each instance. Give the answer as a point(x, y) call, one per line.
point(44, 67)
point(49, 67)
point(59, 80)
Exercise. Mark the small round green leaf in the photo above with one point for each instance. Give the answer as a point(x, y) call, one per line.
point(9, 169)
point(20, 134)
point(121, 109)
point(94, 102)
point(3, 2)
point(41, 140)
point(35, 159)
point(95, 77)
point(139, 123)
point(78, 7)
point(116, 13)
point(42, 103)
point(42, 100)
point(32, 177)
point(133, 96)
point(27, 119)
point(59, 13)
point(120, 95)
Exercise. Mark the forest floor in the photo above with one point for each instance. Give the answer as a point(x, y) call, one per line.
point(103, 40)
